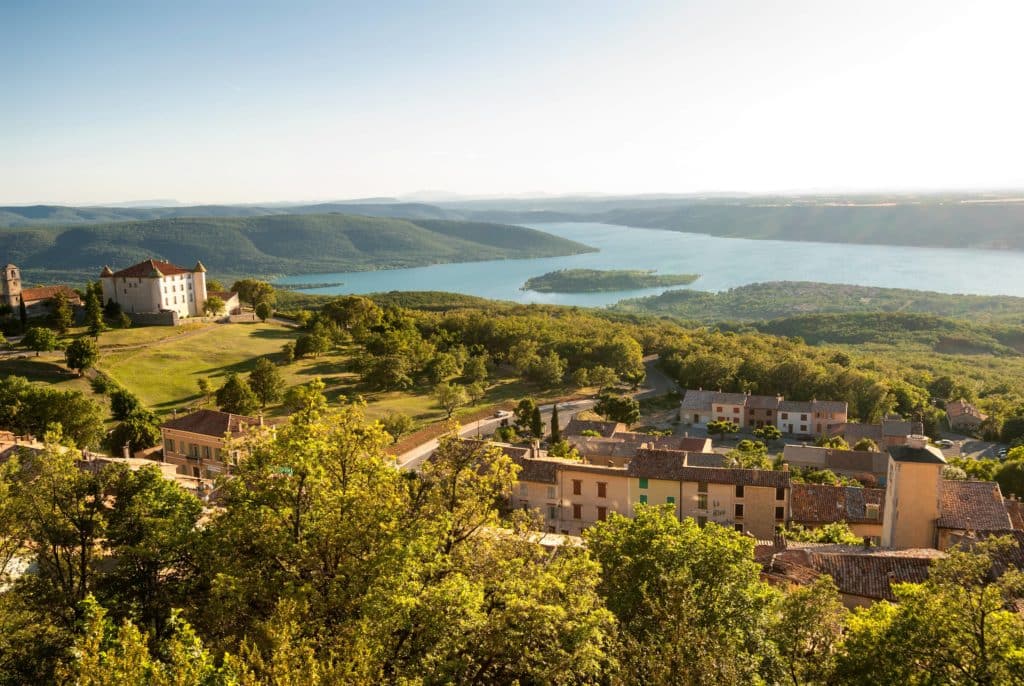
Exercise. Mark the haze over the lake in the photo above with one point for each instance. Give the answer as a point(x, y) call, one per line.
point(256, 102)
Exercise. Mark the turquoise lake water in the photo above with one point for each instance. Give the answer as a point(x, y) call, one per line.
point(722, 262)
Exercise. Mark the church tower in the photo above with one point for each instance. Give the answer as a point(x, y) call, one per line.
point(10, 287)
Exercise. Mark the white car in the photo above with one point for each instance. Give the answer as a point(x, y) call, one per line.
point(501, 414)
point(944, 443)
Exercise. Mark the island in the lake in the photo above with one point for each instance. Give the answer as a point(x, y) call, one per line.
point(598, 280)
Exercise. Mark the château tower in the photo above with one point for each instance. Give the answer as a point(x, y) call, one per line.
point(10, 288)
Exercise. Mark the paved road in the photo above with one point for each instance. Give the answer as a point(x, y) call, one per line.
point(412, 459)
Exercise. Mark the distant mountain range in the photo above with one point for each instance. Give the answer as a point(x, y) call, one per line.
point(269, 244)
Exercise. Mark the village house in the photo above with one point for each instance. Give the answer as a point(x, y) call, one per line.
point(963, 416)
point(162, 290)
point(38, 300)
point(863, 509)
point(866, 466)
point(197, 442)
point(812, 417)
point(893, 430)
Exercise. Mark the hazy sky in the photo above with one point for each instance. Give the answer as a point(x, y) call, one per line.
point(261, 101)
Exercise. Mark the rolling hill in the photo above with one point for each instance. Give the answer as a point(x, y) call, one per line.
point(271, 244)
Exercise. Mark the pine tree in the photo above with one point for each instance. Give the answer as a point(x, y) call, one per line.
point(536, 424)
point(94, 314)
point(22, 313)
point(556, 431)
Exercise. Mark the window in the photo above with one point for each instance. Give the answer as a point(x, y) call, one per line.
point(780, 512)
point(577, 511)
point(551, 492)
point(565, 532)
point(780, 493)
point(785, 415)
point(739, 490)
point(768, 413)
point(803, 427)
point(577, 487)
point(671, 500)
point(643, 499)
point(643, 483)
point(803, 418)
point(552, 512)
point(602, 489)
point(718, 409)
point(206, 452)
point(169, 444)
point(735, 410)
point(739, 511)
point(738, 527)
point(602, 514)
point(702, 487)
point(871, 510)
point(524, 489)
point(702, 501)
point(702, 520)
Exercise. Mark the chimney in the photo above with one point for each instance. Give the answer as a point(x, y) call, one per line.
point(917, 442)
point(535, 448)
point(125, 451)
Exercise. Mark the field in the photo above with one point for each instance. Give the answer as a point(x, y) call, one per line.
point(165, 374)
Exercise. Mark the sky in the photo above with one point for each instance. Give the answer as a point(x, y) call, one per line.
point(219, 101)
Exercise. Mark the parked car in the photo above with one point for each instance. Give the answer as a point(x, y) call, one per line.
point(944, 443)
point(1002, 454)
point(501, 414)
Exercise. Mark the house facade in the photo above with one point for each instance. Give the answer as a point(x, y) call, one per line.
point(154, 286)
point(812, 417)
point(197, 443)
point(964, 416)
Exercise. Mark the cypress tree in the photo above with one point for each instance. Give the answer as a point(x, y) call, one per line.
point(22, 313)
point(556, 432)
point(536, 423)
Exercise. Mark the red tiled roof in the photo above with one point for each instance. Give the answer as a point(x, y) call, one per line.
point(211, 423)
point(859, 572)
point(1015, 509)
point(30, 295)
point(576, 427)
point(822, 504)
point(975, 505)
point(145, 269)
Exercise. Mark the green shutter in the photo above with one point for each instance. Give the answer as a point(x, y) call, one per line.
point(643, 499)
point(671, 500)
point(643, 483)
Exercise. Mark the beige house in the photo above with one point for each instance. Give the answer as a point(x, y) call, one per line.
point(154, 286)
point(196, 442)
point(892, 430)
point(912, 495)
point(964, 416)
point(864, 465)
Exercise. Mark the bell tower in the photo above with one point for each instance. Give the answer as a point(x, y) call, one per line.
point(10, 286)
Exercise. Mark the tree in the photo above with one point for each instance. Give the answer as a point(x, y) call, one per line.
point(94, 314)
point(689, 600)
point(580, 377)
point(722, 427)
point(355, 314)
point(768, 432)
point(139, 430)
point(40, 340)
point(266, 381)
point(205, 389)
point(556, 431)
point(562, 448)
point(809, 631)
point(834, 442)
point(618, 408)
point(475, 369)
point(253, 291)
point(214, 285)
point(1010, 476)
point(397, 425)
point(22, 313)
point(548, 370)
point(311, 344)
point(602, 376)
point(288, 352)
point(124, 403)
point(112, 310)
point(867, 444)
point(63, 317)
point(536, 423)
point(523, 414)
point(450, 397)
point(214, 306)
point(124, 321)
point(749, 455)
point(81, 354)
point(264, 310)
point(236, 397)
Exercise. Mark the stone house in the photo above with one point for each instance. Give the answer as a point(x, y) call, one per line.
point(38, 300)
point(196, 443)
point(964, 416)
point(154, 287)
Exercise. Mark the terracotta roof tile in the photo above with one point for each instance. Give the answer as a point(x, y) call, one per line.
point(1015, 510)
point(47, 292)
point(576, 427)
point(145, 269)
point(538, 471)
point(822, 504)
point(975, 505)
point(211, 423)
point(715, 475)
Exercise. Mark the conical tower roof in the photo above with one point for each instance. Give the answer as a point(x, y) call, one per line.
point(107, 271)
point(199, 267)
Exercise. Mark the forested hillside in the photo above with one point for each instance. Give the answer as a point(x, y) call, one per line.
point(273, 244)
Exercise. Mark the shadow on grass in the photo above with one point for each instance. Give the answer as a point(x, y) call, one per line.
point(281, 334)
point(36, 370)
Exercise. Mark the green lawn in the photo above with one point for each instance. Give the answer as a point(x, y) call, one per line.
point(144, 335)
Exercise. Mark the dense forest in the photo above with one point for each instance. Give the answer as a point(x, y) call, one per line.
point(777, 299)
point(595, 280)
point(274, 244)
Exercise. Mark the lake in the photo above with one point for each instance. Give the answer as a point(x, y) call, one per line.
point(723, 263)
